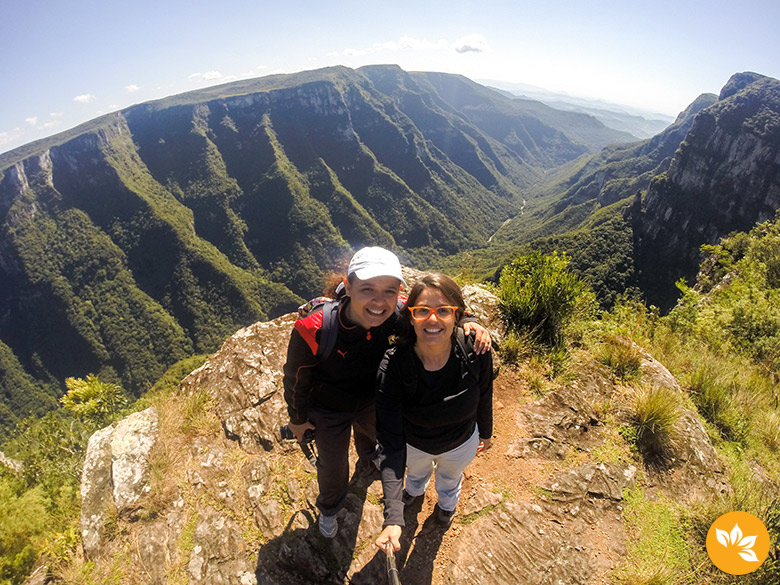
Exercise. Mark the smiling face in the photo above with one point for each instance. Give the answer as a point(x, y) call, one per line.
point(372, 301)
point(433, 331)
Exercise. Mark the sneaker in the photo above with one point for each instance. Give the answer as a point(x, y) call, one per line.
point(329, 526)
point(445, 517)
point(408, 499)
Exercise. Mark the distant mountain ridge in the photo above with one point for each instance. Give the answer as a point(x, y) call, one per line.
point(634, 216)
point(154, 232)
point(640, 123)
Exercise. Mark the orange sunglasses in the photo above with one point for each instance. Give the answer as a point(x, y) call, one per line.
point(421, 312)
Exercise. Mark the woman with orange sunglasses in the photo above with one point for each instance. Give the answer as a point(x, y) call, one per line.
point(434, 405)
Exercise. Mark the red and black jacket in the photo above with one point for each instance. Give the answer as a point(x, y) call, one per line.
point(345, 380)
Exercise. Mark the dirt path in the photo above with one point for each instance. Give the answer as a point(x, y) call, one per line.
point(515, 479)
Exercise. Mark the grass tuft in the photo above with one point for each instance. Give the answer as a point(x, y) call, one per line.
point(622, 357)
point(655, 415)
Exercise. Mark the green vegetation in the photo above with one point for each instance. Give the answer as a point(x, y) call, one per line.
point(40, 504)
point(659, 552)
point(622, 357)
point(655, 414)
point(726, 360)
point(538, 296)
point(22, 395)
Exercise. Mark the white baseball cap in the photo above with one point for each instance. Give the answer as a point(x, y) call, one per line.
point(374, 261)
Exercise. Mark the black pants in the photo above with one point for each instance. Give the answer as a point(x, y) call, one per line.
point(332, 433)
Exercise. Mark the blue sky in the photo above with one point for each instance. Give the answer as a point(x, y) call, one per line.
point(63, 62)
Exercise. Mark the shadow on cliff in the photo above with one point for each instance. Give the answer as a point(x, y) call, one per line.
point(302, 556)
point(416, 557)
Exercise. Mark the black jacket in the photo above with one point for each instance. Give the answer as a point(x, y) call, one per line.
point(432, 411)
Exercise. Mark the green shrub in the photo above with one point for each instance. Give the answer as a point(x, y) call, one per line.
point(23, 520)
point(538, 296)
point(94, 401)
point(514, 347)
point(711, 397)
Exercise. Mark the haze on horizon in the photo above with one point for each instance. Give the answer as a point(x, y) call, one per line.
point(65, 63)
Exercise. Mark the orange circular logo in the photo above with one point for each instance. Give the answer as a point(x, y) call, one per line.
point(738, 543)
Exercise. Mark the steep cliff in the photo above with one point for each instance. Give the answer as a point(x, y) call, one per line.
point(155, 232)
point(723, 178)
point(633, 217)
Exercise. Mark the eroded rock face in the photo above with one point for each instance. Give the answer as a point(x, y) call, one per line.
point(519, 544)
point(115, 475)
point(566, 417)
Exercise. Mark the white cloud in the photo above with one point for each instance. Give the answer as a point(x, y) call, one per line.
point(11, 137)
point(84, 98)
point(208, 76)
point(405, 43)
point(132, 88)
point(212, 76)
point(471, 44)
point(52, 124)
point(56, 114)
point(32, 121)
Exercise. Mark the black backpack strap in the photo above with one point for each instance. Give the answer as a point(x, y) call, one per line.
point(408, 369)
point(465, 345)
point(329, 331)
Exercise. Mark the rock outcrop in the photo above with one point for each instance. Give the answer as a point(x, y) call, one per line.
point(235, 503)
point(116, 475)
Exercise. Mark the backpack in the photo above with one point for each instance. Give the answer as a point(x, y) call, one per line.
point(464, 348)
point(329, 331)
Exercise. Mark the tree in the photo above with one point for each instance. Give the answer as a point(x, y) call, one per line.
point(93, 401)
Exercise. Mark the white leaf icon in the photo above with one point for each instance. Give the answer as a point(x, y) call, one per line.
point(747, 542)
point(749, 555)
point(736, 534)
point(736, 538)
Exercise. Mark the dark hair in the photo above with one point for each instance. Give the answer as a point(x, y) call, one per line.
point(332, 281)
point(441, 282)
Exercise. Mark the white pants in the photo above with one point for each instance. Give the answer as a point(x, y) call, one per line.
point(449, 468)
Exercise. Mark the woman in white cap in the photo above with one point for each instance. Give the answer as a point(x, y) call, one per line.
point(335, 393)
